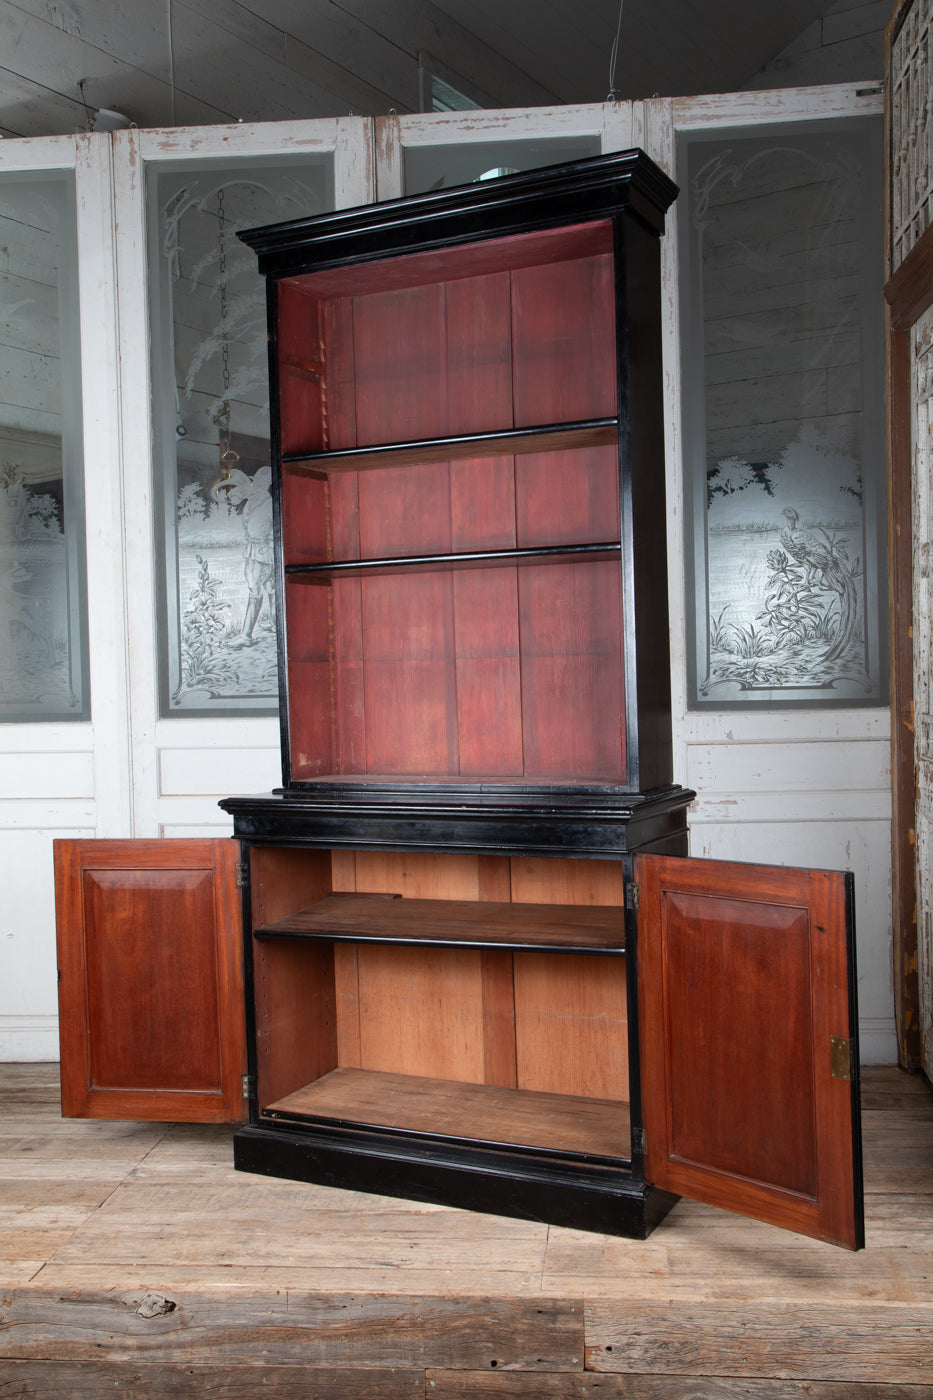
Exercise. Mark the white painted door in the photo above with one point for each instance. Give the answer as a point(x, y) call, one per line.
point(61, 777)
point(183, 759)
point(797, 787)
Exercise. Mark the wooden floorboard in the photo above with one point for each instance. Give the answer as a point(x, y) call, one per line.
point(134, 1261)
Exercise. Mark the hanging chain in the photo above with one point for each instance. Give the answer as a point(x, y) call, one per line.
point(222, 266)
point(228, 458)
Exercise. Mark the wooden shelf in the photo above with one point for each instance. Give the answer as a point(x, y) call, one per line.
point(386, 918)
point(448, 1108)
point(548, 437)
point(477, 559)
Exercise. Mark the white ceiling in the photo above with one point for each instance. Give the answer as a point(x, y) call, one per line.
point(195, 62)
point(667, 47)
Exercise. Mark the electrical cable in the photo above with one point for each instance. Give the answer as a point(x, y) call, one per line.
point(171, 63)
point(613, 56)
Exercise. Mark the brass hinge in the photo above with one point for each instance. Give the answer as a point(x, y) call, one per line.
point(641, 1142)
point(632, 896)
point(242, 875)
point(248, 1085)
point(840, 1057)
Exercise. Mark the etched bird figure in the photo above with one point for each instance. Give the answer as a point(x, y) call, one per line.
point(824, 569)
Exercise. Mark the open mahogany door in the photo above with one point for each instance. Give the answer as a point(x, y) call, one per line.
point(748, 1041)
point(150, 959)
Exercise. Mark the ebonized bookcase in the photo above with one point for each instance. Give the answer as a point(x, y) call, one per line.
point(476, 964)
point(444, 993)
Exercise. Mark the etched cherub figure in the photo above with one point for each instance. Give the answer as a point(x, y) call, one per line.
point(256, 492)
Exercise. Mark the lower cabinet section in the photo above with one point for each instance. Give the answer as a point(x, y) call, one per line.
point(467, 1048)
point(572, 1040)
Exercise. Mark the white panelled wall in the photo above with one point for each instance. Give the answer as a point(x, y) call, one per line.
point(789, 787)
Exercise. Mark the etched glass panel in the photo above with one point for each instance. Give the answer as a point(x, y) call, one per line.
point(439, 167)
point(43, 625)
point(211, 423)
point(783, 414)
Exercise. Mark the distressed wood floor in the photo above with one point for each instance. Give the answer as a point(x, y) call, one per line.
point(135, 1263)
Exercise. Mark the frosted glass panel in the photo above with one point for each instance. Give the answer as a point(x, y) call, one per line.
point(43, 646)
point(438, 167)
point(783, 402)
point(211, 418)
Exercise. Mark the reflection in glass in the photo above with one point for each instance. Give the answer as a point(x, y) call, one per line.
point(43, 629)
point(783, 415)
point(439, 167)
point(211, 418)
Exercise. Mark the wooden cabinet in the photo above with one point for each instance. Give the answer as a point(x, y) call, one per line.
point(478, 968)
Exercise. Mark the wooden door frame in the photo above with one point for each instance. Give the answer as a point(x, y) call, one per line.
point(908, 294)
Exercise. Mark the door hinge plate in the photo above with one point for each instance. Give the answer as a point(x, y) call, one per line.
point(640, 1142)
point(632, 896)
point(840, 1057)
point(248, 1085)
point(242, 875)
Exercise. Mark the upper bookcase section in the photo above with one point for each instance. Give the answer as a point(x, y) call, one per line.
point(556, 196)
point(469, 484)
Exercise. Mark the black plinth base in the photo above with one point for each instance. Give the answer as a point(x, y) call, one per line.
point(604, 1199)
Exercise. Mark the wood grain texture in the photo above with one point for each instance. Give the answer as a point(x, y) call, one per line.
point(592, 882)
point(293, 988)
point(479, 259)
point(370, 1333)
point(300, 368)
point(175, 1218)
point(296, 1015)
point(283, 879)
point(347, 994)
point(803, 1342)
point(571, 1025)
point(87, 1380)
point(421, 1011)
point(562, 1122)
point(563, 337)
point(743, 979)
point(453, 672)
point(151, 979)
point(570, 622)
point(498, 1385)
point(485, 923)
point(907, 294)
point(499, 1057)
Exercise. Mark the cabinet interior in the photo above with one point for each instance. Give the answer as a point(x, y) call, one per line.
point(385, 995)
point(450, 507)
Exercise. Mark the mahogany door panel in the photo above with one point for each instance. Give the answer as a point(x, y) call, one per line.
point(150, 960)
point(747, 1038)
